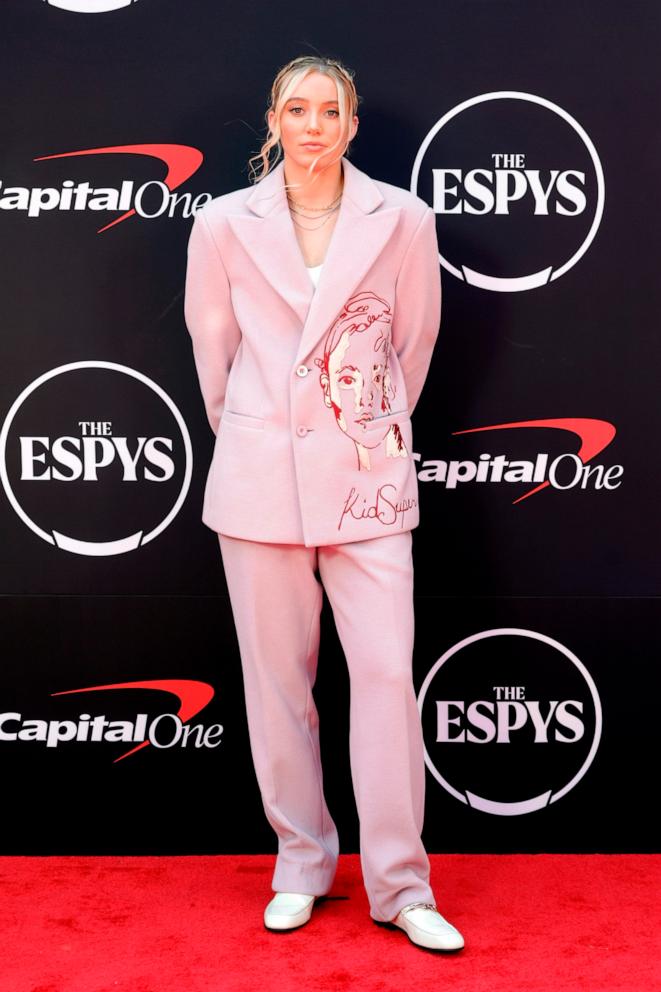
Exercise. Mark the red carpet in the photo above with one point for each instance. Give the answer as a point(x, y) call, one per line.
point(175, 924)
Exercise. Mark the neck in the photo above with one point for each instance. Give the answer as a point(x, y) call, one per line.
point(316, 190)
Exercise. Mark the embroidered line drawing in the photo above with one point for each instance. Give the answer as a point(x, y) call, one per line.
point(355, 376)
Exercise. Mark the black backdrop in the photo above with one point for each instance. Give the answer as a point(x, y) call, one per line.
point(538, 634)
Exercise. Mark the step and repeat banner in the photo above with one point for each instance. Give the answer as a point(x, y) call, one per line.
point(532, 129)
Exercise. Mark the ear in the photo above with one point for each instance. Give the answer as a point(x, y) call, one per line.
point(325, 385)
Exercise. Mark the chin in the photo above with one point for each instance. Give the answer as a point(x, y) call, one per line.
point(307, 155)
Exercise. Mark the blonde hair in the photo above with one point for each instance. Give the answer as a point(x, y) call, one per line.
point(284, 84)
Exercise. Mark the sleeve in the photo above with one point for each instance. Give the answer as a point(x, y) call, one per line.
point(210, 318)
point(417, 317)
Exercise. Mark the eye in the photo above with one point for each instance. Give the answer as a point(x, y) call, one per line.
point(346, 380)
point(336, 112)
point(292, 109)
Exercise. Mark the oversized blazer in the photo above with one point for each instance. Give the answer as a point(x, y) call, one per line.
point(310, 392)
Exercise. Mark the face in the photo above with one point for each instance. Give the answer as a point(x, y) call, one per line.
point(312, 115)
point(359, 381)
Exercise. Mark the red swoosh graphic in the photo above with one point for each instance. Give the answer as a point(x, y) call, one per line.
point(193, 697)
point(594, 435)
point(181, 161)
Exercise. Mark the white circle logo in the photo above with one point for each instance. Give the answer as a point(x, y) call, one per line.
point(516, 721)
point(95, 458)
point(90, 6)
point(514, 190)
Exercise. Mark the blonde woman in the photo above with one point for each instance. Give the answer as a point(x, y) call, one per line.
point(313, 302)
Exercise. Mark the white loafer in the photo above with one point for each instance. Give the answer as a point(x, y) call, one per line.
point(425, 926)
point(287, 910)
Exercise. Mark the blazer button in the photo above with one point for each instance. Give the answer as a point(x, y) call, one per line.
point(301, 431)
point(302, 370)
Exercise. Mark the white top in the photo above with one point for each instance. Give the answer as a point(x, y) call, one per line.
point(315, 272)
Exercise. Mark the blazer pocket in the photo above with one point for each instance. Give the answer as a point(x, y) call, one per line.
point(387, 419)
point(243, 420)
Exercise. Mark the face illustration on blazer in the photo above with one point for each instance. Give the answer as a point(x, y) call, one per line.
point(355, 377)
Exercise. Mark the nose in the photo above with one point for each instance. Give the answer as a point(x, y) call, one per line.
point(366, 397)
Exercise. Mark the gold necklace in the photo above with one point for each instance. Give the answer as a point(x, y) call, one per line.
point(298, 203)
point(316, 228)
point(300, 213)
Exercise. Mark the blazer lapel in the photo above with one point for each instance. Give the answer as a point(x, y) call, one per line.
point(358, 238)
point(269, 239)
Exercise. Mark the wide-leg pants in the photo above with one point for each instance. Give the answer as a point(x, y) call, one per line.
point(276, 598)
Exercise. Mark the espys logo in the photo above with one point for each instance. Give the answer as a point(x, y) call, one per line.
point(519, 186)
point(567, 470)
point(165, 731)
point(512, 721)
point(95, 458)
point(151, 199)
point(90, 6)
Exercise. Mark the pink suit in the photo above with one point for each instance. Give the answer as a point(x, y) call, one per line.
point(310, 395)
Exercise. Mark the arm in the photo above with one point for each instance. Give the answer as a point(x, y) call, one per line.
point(210, 318)
point(417, 316)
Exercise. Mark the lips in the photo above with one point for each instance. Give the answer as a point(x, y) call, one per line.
point(313, 145)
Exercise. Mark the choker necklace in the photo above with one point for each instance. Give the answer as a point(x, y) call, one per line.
point(297, 203)
point(328, 209)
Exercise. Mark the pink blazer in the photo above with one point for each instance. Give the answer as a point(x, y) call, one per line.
point(310, 392)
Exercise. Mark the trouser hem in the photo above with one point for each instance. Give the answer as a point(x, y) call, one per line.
point(293, 878)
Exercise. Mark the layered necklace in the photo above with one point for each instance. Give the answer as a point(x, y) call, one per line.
point(326, 211)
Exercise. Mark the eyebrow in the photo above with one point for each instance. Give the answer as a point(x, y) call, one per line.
point(303, 99)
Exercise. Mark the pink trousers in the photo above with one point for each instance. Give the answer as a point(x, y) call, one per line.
point(276, 600)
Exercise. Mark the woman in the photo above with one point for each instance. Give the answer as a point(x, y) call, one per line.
point(312, 484)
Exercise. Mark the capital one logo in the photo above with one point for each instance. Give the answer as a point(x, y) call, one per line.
point(95, 458)
point(519, 188)
point(511, 720)
point(567, 470)
point(90, 6)
point(149, 200)
point(164, 731)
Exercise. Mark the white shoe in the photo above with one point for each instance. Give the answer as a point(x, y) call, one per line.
point(426, 927)
point(287, 910)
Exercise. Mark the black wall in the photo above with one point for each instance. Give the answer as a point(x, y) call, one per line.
point(545, 606)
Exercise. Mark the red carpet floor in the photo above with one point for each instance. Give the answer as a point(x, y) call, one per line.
point(176, 924)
